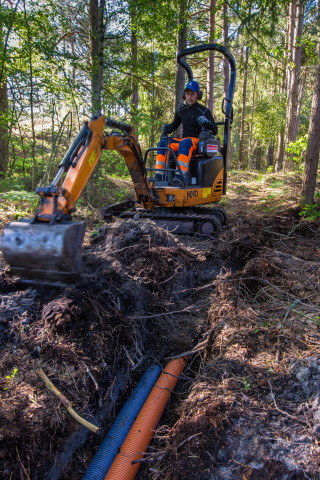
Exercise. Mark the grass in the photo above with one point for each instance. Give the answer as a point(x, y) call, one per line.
point(17, 204)
point(277, 184)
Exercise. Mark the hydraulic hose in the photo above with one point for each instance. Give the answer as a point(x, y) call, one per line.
point(111, 444)
point(139, 437)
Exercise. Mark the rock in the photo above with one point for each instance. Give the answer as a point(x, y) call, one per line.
point(316, 401)
point(301, 439)
point(316, 416)
point(222, 455)
point(316, 430)
point(303, 375)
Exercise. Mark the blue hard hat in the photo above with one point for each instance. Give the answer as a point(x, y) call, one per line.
point(193, 85)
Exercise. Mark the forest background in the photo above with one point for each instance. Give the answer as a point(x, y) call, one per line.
point(60, 62)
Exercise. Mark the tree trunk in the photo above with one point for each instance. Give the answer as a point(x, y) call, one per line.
point(96, 29)
point(258, 158)
point(4, 147)
point(225, 43)
point(296, 17)
point(181, 43)
point(210, 71)
point(270, 155)
point(280, 153)
point(226, 71)
point(243, 113)
point(312, 153)
point(280, 149)
point(4, 144)
point(152, 113)
point(252, 112)
point(134, 60)
point(33, 144)
point(300, 103)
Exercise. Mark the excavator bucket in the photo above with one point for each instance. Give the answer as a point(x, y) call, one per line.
point(40, 253)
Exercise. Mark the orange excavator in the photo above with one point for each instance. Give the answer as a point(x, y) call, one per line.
point(47, 248)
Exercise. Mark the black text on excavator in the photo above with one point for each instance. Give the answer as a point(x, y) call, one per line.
point(47, 249)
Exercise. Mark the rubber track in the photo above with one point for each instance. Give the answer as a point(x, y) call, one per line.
point(201, 214)
point(197, 215)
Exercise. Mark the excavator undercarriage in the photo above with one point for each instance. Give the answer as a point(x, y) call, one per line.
point(206, 221)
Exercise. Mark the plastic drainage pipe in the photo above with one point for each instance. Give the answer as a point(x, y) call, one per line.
point(139, 437)
point(111, 444)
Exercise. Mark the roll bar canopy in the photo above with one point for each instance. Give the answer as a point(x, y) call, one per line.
point(226, 102)
point(228, 56)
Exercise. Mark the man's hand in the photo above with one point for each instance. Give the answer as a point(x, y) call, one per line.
point(165, 129)
point(203, 121)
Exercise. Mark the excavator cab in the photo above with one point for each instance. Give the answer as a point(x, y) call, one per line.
point(206, 179)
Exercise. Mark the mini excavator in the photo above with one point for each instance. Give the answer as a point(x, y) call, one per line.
point(47, 249)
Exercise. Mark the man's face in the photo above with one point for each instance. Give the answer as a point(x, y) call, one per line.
point(191, 97)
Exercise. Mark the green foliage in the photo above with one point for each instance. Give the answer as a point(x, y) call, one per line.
point(260, 178)
point(96, 231)
point(121, 194)
point(8, 184)
point(298, 149)
point(47, 64)
point(18, 203)
point(316, 320)
point(113, 164)
point(9, 378)
point(278, 52)
point(310, 53)
point(246, 384)
point(269, 197)
point(20, 196)
point(146, 124)
point(311, 212)
point(269, 118)
point(277, 184)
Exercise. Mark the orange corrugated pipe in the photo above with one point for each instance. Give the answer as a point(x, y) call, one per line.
point(141, 432)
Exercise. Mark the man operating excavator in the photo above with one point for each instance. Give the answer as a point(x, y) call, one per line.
point(46, 249)
point(193, 117)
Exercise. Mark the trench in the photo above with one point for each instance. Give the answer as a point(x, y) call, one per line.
point(134, 306)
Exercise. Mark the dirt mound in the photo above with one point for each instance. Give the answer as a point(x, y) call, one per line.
point(253, 409)
point(86, 338)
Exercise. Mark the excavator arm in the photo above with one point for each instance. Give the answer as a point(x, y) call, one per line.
point(57, 203)
point(129, 148)
point(47, 249)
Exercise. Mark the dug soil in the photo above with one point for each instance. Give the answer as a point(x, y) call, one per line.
point(244, 306)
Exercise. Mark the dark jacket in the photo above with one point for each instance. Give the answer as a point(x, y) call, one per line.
point(187, 115)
